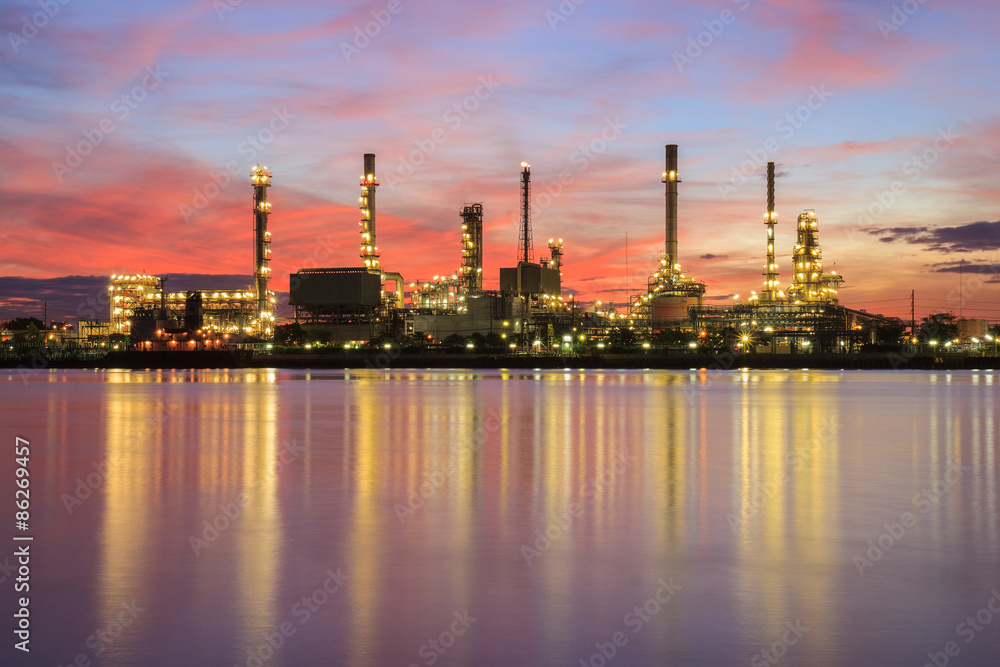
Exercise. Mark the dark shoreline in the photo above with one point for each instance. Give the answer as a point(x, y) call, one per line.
point(721, 361)
point(394, 359)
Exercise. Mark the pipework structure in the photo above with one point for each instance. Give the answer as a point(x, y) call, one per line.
point(772, 292)
point(556, 253)
point(369, 249)
point(472, 249)
point(809, 284)
point(524, 250)
point(260, 179)
point(229, 311)
point(128, 294)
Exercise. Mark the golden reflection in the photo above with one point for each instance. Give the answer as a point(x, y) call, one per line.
point(254, 451)
point(785, 513)
point(418, 476)
point(157, 437)
point(961, 450)
point(362, 461)
point(133, 447)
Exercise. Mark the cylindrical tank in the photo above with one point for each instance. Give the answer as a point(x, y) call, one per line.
point(670, 308)
point(972, 329)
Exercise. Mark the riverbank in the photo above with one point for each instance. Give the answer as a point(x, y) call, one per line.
point(356, 359)
point(395, 359)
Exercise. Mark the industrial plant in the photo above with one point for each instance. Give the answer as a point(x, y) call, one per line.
point(356, 304)
point(362, 302)
point(144, 311)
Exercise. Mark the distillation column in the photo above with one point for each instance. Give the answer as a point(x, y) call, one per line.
point(260, 178)
point(369, 250)
point(772, 292)
point(472, 249)
point(556, 251)
point(671, 179)
point(807, 261)
point(524, 251)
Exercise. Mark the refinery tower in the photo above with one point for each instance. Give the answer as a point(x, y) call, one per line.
point(670, 294)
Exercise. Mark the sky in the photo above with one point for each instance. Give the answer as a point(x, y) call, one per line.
point(128, 131)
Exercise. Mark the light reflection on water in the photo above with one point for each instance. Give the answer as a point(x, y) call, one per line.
point(546, 504)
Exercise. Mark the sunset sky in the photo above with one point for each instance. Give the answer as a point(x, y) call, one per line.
point(129, 129)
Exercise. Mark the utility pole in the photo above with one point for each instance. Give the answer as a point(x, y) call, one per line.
point(961, 295)
point(628, 296)
point(913, 320)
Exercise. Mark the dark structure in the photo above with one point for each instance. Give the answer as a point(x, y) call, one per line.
point(194, 314)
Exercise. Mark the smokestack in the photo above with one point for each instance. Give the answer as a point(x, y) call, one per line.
point(671, 178)
point(771, 289)
point(524, 250)
point(770, 188)
point(369, 249)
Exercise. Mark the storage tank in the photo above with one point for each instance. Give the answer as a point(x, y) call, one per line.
point(669, 308)
point(972, 329)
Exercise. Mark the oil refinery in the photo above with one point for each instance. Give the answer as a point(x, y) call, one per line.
point(143, 310)
point(355, 304)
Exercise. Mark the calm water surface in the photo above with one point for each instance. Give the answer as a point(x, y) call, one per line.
point(271, 517)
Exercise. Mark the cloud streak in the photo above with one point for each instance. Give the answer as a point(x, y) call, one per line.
point(971, 237)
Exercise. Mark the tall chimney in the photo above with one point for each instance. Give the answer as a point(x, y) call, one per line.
point(524, 250)
point(771, 289)
point(369, 249)
point(670, 177)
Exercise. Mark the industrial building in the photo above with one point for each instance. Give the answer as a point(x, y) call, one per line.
point(670, 293)
point(360, 303)
point(351, 303)
point(249, 312)
point(357, 304)
point(805, 317)
point(528, 310)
